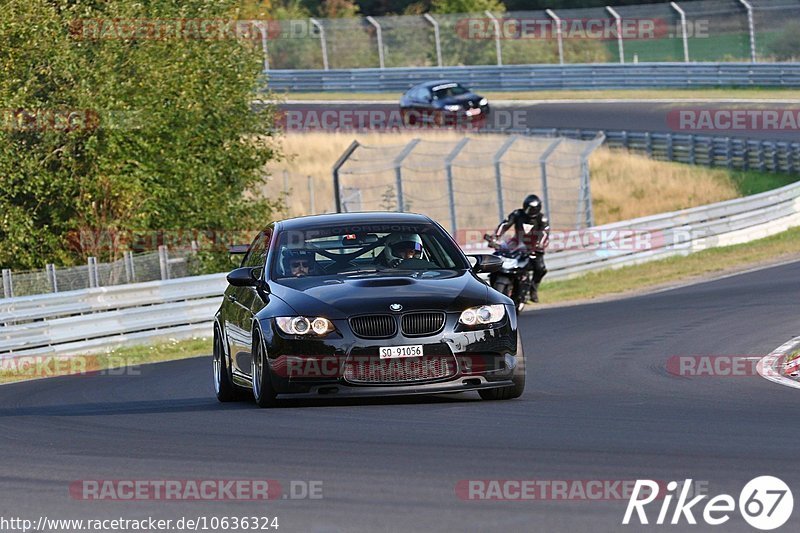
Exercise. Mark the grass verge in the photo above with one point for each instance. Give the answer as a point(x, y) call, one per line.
point(627, 94)
point(629, 279)
point(33, 367)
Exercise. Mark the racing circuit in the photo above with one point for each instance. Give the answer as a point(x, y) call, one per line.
point(600, 405)
point(630, 115)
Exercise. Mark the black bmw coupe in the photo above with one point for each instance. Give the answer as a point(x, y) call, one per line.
point(363, 304)
point(443, 103)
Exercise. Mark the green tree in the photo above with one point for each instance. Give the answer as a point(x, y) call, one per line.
point(169, 143)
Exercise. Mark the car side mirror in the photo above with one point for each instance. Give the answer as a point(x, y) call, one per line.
point(247, 277)
point(486, 264)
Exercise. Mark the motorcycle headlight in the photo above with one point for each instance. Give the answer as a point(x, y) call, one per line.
point(485, 314)
point(454, 107)
point(301, 325)
point(483, 101)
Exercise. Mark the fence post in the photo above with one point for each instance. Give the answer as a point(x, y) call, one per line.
point(498, 174)
point(559, 36)
point(264, 48)
point(379, 35)
point(648, 144)
point(670, 150)
point(618, 20)
point(51, 275)
point(398, 173)
point(130, 273)
point(624, 136)
point(285, 181)
point(8, 284)
point(323, 44)
point(543, 171)
point(761, 163)
point(751, 29)
point(774, 156)
point(311, 195)
point(684, 34)
point(586, 189)
point(92, 267)
point(436, 36)
point(448, 161)
point(163, 261)
point(498, 50)
point(729, 151)
point(337, 193)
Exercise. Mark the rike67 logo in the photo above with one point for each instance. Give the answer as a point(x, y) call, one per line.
point(765, 503)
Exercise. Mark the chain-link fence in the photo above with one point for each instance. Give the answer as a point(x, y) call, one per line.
point(132, 268)
point(470, 183)
point(705, 30)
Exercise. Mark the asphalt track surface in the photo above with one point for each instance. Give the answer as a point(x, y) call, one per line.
point(630, 116)
point(599, 405)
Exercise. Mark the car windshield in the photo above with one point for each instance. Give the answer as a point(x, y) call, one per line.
point(364, 249)
point(451, 89)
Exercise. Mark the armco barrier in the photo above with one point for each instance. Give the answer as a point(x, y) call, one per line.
point(89, 320)
point(95, 319)
point(543, 77)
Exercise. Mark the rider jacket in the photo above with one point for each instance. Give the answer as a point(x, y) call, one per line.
point(538, 227)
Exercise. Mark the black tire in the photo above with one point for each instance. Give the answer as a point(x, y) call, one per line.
point(515, 390)
point(224, 388)
point(263, 391)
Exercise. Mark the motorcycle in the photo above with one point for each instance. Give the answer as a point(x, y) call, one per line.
point(515, 278)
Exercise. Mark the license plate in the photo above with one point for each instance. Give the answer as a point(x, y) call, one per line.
point(393, 352)
point(473, 112)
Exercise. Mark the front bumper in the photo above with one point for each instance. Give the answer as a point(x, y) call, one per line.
point(475, 359)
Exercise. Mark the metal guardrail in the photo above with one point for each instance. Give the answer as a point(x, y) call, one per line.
point(678, 233)
point(709, 150)
point(543, 77)
point(87, 320)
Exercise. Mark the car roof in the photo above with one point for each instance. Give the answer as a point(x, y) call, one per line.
point(429, 84)
point(368, 217)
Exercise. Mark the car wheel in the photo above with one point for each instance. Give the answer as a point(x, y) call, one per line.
point(263, 392)
point(223, 387)
point(512, 391)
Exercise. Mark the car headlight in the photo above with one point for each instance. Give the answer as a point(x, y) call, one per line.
point(485, 314)
point(301, 325)
point(453, 107)
point(483, 101)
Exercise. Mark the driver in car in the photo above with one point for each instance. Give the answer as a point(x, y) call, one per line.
point(404, 250)
point(299, 265)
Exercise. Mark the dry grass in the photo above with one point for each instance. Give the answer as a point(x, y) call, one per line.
point(626, 186)
point(623, 185)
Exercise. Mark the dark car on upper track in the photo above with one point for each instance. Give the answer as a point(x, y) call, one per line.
point(363, 304)
point(442, 102)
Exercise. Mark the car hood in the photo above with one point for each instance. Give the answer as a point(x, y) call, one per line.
point(462, 99)
point(343, 296)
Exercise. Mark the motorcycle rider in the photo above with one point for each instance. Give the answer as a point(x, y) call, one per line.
point(535, 239)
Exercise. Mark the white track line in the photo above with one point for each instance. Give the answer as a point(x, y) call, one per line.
point(768, 366)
